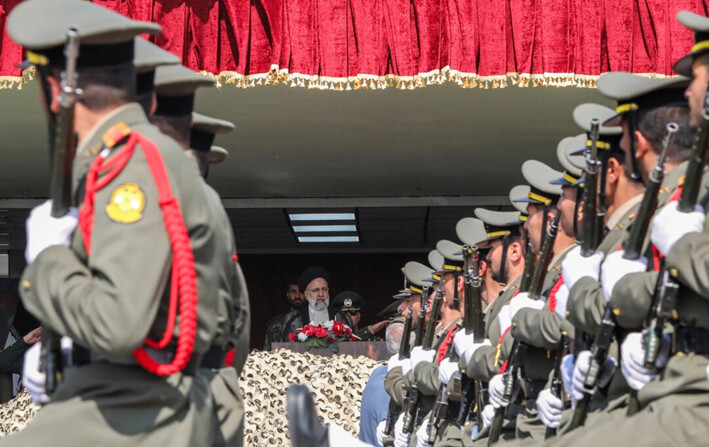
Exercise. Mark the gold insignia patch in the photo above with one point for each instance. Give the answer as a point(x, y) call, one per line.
point(126, 204)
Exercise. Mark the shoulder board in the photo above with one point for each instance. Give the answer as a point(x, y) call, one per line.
point(115, 135)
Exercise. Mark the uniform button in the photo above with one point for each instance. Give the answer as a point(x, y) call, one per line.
point(674, 273)
point(463, 371)
point(616, 312)
point(26, 285)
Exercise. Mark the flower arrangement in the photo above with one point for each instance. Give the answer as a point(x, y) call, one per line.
point(330, 333)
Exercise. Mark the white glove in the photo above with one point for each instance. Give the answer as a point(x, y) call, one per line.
point(418, 355)
point(574, 266)
point(43, 230)
point(562, 298)
point(401, 439)
point(32, 378)
point(567, 375)
point(422, 434)
point(583, 363)
point(669, 225)
point(504, 318)
point(549, 408)
point(632, 360)
point(522, 301)
point(446, 369)
point(496, 388)
point(462, 342)
point(487, 414)
point(469, 353)
point(394, 361)
point(616, 267)
point(380, 432)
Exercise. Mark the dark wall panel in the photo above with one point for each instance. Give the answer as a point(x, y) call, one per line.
point(375, 276)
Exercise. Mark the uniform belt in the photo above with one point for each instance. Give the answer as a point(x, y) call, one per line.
point(533, 387)
point(214, 358)
point(692, 339)
point(82, 356)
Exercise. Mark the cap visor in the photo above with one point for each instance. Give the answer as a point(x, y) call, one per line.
point(614, 121)
point(684, 65)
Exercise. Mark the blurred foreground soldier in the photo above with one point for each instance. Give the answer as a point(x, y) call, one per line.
point(175, 88)
point(349, 304)
point(274, 327)
point(132, 377)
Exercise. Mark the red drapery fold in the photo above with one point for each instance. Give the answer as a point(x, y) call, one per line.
point(344, 44)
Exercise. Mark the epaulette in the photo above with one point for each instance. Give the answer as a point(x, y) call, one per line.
point(115, 135)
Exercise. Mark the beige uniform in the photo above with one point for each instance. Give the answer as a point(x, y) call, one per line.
point(110, 301)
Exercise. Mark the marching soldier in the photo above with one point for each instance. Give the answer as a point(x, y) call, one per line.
point(132, 381)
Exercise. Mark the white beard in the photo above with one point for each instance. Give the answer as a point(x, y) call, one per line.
point(317, 306)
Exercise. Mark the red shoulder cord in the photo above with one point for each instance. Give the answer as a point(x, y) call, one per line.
point(184, 278)
point(552, 293)
point(443, 348)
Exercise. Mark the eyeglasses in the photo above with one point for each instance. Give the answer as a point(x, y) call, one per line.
point(353, 312)
point(319, 289)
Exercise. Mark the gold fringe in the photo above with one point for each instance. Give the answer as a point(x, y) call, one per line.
point(277, 76)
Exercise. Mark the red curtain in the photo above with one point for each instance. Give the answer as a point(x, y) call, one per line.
point(343, 44)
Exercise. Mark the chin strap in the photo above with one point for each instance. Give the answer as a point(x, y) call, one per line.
point(183, 286)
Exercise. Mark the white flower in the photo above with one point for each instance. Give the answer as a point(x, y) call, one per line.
point(328, 325)
point(302, 336)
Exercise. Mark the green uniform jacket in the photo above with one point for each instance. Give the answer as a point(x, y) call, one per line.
point(110, 301)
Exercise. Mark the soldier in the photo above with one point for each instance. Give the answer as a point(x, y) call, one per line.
point(175, 88)
point(506, 261)
point(274, 327)
point(92, 284)
point(398, 370)
point(234, 327)
point(349, 304)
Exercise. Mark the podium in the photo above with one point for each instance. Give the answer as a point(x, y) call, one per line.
point(375, 350)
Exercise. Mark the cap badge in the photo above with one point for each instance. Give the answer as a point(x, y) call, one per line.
point(348, 302)
point(126, 204)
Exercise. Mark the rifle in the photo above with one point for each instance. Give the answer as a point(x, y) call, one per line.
point(518, 348)
point(473, 322)
point(632, 247)
point(530, 260)
point(556, 380)
point(421, 319)
point(591, 233)
point(62, 154)
point(393, 412)
point(411, 401)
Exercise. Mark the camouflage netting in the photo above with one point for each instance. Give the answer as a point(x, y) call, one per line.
point(336, 384)
point(17, 413)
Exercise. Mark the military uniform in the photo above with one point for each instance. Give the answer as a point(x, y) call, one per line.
point(234, 317)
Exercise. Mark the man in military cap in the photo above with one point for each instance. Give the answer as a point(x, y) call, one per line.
point(349, 304)
point(133, 380)
point(274, 327)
